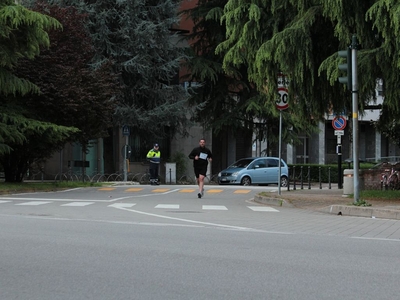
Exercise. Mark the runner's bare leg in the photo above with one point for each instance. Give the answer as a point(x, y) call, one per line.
point(201, 183)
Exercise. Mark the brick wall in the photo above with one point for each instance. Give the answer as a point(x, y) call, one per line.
point(372, 178)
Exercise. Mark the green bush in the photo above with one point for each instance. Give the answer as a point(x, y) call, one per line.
point(180, 159)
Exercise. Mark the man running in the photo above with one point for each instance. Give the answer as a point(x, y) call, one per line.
point(201, 156)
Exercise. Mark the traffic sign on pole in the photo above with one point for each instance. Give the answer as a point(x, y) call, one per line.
point(282, 101)
point(125, 130)
point(339, 123)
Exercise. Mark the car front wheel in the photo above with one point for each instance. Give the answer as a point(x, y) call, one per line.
point(284, 181)
point(246, 181)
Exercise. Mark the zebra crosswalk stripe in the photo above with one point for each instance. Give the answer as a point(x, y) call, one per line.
point(33, 203)
point(263, 208)
point(214, 207)
point(77, 204)
point(168, 206)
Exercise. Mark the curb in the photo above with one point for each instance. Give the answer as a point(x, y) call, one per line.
point(368, 212)
point(272, 201)
point(342, 210)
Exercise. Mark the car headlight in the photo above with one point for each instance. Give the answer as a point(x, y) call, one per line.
point(235, 174)
point(219, 174)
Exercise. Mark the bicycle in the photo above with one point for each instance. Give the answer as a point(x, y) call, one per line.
point(390, 179)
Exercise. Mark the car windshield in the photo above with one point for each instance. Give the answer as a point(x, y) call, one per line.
point(242, 163)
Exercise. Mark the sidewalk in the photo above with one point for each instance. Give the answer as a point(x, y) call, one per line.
point(332, 201)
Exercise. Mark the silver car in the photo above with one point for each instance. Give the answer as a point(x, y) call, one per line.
point(255, 170)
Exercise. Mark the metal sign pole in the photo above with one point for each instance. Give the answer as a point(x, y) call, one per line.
point(354, 93)
point(281, 104)
point(126, 160)
point(280, 153)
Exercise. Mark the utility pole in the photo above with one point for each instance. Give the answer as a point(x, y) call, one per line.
point(351, 80)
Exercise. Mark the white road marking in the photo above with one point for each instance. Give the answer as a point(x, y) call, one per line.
point(33, 203)
point(214, 207)
point(77, 204)
point(63, 200)
point(122, 205)
point(262, 208)
point(168, 206)
point(193, 221)
point(4, 201)
point(154, 194)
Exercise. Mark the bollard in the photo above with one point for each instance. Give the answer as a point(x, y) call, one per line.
point(309, 177)
point(319, 178)
point(294, 178)
point(301, 178)
point(329, 177)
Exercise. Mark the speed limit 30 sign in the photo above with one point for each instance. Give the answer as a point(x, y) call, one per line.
point(282, 101)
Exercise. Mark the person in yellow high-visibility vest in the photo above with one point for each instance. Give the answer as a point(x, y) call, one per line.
point(154, 155)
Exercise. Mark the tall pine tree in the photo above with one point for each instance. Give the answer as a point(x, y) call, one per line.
point(136, 37)
point(232, 101)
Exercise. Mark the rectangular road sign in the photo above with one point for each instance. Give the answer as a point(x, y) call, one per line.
point(339, 132)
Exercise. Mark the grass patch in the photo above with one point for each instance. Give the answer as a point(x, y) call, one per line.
point(361, 203)
point(380, 195)
point(24, 187)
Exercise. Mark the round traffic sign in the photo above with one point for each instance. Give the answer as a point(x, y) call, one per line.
point(282, 101)
point(339, 123)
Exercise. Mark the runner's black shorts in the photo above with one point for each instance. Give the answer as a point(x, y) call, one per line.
point(200, 171)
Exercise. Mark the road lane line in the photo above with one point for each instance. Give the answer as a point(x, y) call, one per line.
point(191, 221)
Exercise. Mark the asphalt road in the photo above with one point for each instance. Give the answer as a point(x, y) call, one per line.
point(141, 242)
